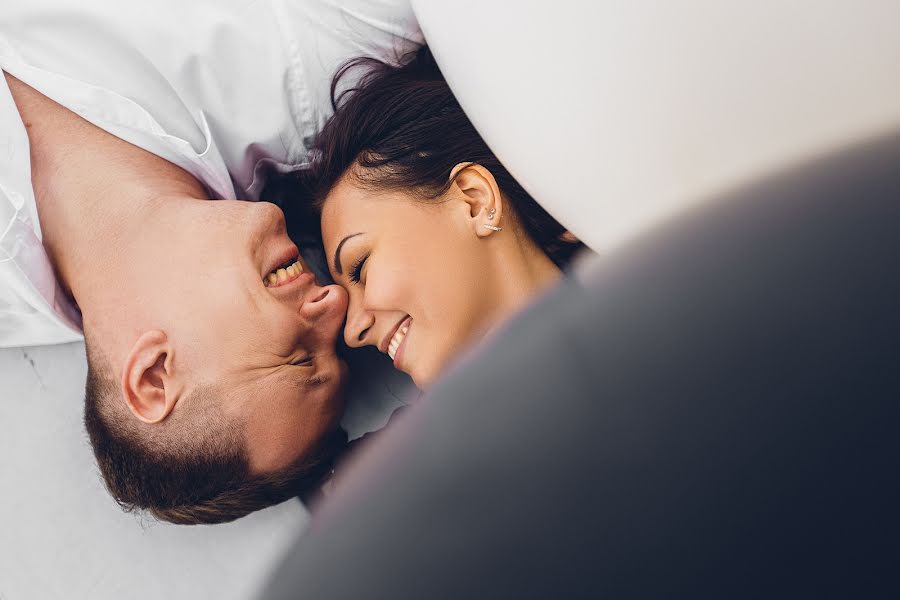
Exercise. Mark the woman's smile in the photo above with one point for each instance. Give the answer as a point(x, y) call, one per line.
point(397, 342)
point(413, 225)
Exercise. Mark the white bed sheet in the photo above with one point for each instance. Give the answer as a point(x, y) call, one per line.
point(62, 536)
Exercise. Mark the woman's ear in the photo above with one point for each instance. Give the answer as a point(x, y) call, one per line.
point(478, 189)
point(148, 379)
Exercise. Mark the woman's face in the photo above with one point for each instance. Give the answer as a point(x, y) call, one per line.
point(420, 287)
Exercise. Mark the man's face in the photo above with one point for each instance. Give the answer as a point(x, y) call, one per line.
point(265, 337)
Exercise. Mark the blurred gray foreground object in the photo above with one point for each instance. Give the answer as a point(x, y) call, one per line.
point(715, 414)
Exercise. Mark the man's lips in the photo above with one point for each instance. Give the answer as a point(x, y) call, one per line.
point(305, 278)
point(285, 255)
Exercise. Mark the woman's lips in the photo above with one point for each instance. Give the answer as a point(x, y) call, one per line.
point(398, 342)
point(386, 341)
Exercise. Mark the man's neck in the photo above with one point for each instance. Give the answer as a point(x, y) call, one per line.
point(93, 192)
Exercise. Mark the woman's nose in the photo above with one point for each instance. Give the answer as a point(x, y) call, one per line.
point(359, 325)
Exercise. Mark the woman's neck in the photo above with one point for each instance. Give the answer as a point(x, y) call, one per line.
point(523, 273)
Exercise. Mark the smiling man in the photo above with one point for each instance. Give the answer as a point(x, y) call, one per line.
point(213, 382)
point(213, 385)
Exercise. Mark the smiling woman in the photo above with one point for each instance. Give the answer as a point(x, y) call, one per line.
point(434, 240)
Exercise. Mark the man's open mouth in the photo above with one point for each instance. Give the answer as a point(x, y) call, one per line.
point(286, 273)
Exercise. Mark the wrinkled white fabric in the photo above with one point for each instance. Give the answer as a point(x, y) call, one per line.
point(224, 89)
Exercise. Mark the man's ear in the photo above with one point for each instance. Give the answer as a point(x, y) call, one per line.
point(148, 379)
point(478, 188)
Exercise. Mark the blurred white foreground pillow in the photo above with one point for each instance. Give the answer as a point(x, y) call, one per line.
point(615, 115)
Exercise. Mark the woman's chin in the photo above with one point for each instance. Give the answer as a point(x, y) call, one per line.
point(426, 368)
point(422, 377)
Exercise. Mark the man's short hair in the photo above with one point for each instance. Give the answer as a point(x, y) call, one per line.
point(194, 467)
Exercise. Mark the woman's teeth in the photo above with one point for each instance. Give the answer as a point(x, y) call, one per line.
point(397, 340)
point(284, 274)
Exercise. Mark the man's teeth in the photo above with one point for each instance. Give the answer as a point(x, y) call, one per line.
point(283, 274)
point(397, 340)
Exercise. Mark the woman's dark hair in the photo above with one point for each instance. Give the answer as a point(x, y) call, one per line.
point(406, 130)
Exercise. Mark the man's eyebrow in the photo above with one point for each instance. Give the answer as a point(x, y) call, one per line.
point(337, 253)
point(315, 381)
point(307, 383)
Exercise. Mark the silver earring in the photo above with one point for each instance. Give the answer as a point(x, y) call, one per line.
point(491, 214)
point(492, 227)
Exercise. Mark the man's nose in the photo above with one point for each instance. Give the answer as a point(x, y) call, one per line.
point(328, 300)
point(269, 217)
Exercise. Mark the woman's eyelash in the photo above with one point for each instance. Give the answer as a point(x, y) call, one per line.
point(356, 271)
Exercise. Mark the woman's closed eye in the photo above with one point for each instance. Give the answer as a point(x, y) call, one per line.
point(356, 270)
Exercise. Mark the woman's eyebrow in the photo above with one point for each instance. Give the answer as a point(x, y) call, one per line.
point(337, 253)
